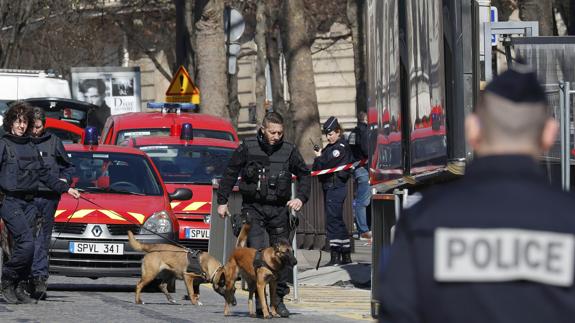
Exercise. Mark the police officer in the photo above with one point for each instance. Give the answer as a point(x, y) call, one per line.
point(336, 153)
point(56, 159)
point(266, 164)
point(21, 170)
point(358, 142)
point(497, 245)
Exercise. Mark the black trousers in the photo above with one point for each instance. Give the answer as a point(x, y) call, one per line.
point(19, 217)
point(268, 225)
point(46, 207)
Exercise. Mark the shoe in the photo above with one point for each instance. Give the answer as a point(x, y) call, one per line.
point(346, 258)
point(21, 294)
point(365, 236)
point(9, 291)
point(335, 258)
point(282, 309)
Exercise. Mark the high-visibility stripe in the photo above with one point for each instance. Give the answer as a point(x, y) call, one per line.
point(112, 215)
point(81, 213)
point(139, 217)
point(58, 212)
point(174, 204)
point(194, 206)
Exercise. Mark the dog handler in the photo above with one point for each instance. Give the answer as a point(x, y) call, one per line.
point(21, 171)
point(55, 158)
point(497, 245)
point(266, 164)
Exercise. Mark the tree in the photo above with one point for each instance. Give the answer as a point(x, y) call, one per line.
point(211, 60)
point(538, 10)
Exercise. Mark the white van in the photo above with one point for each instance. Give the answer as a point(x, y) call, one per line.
point(25, 84)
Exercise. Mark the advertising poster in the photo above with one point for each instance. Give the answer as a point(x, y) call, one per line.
point(117, 89)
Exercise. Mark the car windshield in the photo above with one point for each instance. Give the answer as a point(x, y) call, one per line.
point(189, 164)
point(198, 133)
point(114, 173)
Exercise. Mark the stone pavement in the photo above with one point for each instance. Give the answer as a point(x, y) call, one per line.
point(343, 290)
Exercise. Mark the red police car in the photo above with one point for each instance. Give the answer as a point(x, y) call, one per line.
point(190, 162)
point(121, 190)
point(137, 124)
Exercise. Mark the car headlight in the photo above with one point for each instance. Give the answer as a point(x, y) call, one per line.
point(159, 222)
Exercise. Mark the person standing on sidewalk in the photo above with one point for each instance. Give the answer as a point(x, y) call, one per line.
point(358, 142)
point(335, 153)
point(46, 200)
point(497, 245)
point(266, 163)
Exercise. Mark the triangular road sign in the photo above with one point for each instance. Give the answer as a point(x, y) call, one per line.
point(182, 84)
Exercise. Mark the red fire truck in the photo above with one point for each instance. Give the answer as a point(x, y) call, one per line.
point(187, 161)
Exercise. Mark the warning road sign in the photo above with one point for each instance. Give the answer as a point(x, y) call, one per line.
point(182, 89)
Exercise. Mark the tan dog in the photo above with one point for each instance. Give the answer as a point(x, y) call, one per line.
point(258, 275)
point(160, 257)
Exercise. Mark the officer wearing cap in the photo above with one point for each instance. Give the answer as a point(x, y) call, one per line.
point(336, 153)
point(21, 171)
point(46, 200)
point(497, 245)
point(266, 163)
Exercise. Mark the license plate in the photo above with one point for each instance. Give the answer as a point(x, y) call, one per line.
point(96, 248)
point(197, 234)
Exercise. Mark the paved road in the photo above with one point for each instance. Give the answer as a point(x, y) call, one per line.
point(112, 300)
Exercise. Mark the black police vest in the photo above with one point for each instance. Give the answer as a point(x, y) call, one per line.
point(20, 167)
point(266, 178)
point(47, 150)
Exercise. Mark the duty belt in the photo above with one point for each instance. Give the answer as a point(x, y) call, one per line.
point(26, 196)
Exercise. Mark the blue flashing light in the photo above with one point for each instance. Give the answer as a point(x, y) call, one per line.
point(173, 106)
point(91, 136)
point(187, 132)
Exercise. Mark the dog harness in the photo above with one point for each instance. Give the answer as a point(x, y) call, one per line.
point(194, 263)
point(259, 262)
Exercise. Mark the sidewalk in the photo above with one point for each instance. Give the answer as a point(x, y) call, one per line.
point(343, 290)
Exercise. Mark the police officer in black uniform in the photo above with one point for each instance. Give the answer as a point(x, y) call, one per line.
point(266, 164)
point(497, 245)
point(54, 157)
point(336, 153)
point(21, 170)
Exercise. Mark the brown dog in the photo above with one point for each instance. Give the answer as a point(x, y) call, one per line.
point(160, 257)
point(257, 271)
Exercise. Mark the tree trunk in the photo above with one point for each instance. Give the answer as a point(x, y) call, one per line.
point(538, 10)
point(303, 99)
point(261, 63)
point(211, 60)
point(355, 20)
point(235, 104)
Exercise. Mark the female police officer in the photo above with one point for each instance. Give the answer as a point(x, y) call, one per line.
point(336, 153)
point(21, 170)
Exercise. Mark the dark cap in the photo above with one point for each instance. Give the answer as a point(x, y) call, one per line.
point(330, 125)
point(518, 84)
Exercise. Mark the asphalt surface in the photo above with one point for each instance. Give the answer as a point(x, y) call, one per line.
point(330, 294)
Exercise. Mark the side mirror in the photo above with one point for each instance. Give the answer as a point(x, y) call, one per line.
point(181, 194)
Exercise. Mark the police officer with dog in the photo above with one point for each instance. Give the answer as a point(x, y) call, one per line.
point(497, 245)
point(54, 157)
point(266, 164)
point(21, 171)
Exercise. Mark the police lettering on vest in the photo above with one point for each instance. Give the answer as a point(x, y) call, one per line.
point(493, 255)
point(266, 178)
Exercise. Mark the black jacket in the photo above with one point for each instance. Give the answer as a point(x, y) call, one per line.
point(239, 159)
point(55, 157)
point(498, 195)
point(334, 155)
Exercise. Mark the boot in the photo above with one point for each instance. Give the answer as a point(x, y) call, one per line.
point(346, 258)
point(282, 309)
point(335, 258)
point(39, 288)
point(9, 291)
point(21, 294)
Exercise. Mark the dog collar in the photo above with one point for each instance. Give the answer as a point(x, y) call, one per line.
point(215, 272)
